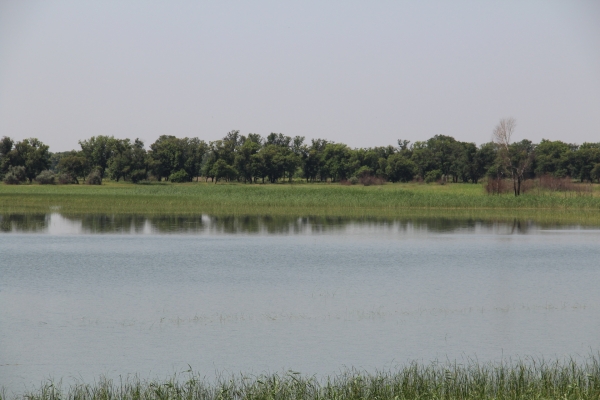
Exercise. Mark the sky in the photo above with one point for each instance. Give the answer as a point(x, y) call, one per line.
point(364, 73)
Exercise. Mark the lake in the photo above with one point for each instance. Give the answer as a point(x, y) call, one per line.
point(85, 296)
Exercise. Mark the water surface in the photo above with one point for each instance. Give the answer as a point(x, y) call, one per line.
point(83, 296)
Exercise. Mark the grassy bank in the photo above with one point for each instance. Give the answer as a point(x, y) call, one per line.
point(523, 380)
point(390, 200)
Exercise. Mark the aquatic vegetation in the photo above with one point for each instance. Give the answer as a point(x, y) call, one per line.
point(289, 199)
point(530, 379)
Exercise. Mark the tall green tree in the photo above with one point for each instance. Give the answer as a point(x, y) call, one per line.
point(75, 164)
point(31, 154)
point(584, 160)
point(400, 168)
point(166, 156)
point(313, 161)
point(336, 158)
point(98, 151)
point(120, 161)
point(244, 160)
point(554, 158)
point(6, 146)
point(169, 154)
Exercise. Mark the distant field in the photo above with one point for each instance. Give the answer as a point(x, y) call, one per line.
point(390, 200)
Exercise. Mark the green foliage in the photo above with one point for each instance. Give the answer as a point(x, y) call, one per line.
point(138, 175)
point(15, 175)
point(6, 145)
point(244, 160)
point(278, 158)
point(362, 171)
point(126, 158)
point(353, 180)
point(485, 158)
point(66, 179)
point(585, 159)
point(337, 166)
point(169, 154)
point(272, 161)
point(46, 178)
point(31, 154)
point(595, 173)
point(470, 380)
point(179, 176)
point(554, 158)
point(73, 164)
point(400, 169)
point(94, 178)
point(223, 170)
point(433, 176)
point(98, 150)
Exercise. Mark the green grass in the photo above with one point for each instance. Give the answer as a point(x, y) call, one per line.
point(390, 200)
point(520, 380)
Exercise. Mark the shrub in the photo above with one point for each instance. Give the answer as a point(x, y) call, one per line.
point(15, 175)
point(94, 178)
point(368, 180)
point(433, 176)
point(527, 185)
point(66, 179)
point(179, 176)
point(138, 175)
point(363, 171)
point(497, 186)
point(46, 178)
point(553, 184)
point(348, 182)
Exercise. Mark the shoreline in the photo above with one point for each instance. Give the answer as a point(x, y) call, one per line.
point(463, 201)
point(469, 379)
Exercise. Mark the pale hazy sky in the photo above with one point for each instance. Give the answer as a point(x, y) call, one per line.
point(364, 73)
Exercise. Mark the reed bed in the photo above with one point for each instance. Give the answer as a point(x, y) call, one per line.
point(289, 199)
point(471, 380)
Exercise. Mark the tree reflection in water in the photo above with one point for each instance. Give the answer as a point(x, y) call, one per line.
point(251, 224)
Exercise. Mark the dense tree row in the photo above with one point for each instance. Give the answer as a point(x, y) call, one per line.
point(277, 158)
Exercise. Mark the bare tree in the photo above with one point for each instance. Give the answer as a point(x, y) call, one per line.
point(503, 132)
point(515, 157)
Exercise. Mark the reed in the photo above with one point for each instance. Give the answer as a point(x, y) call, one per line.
point(532, 379)
point(389, 200)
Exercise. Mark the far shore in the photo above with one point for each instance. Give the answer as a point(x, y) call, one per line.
point(458, 200)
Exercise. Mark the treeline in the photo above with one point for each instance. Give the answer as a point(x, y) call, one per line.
point(277, 158)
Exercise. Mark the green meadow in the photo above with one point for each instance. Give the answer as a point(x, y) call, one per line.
point(386, 201)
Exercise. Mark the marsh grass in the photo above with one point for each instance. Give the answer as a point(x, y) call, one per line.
point(389, 200)
point(531, 379)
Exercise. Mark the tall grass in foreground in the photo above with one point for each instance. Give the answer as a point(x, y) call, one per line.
point(520, 380)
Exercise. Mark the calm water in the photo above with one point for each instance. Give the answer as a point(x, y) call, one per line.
point(87, 296)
